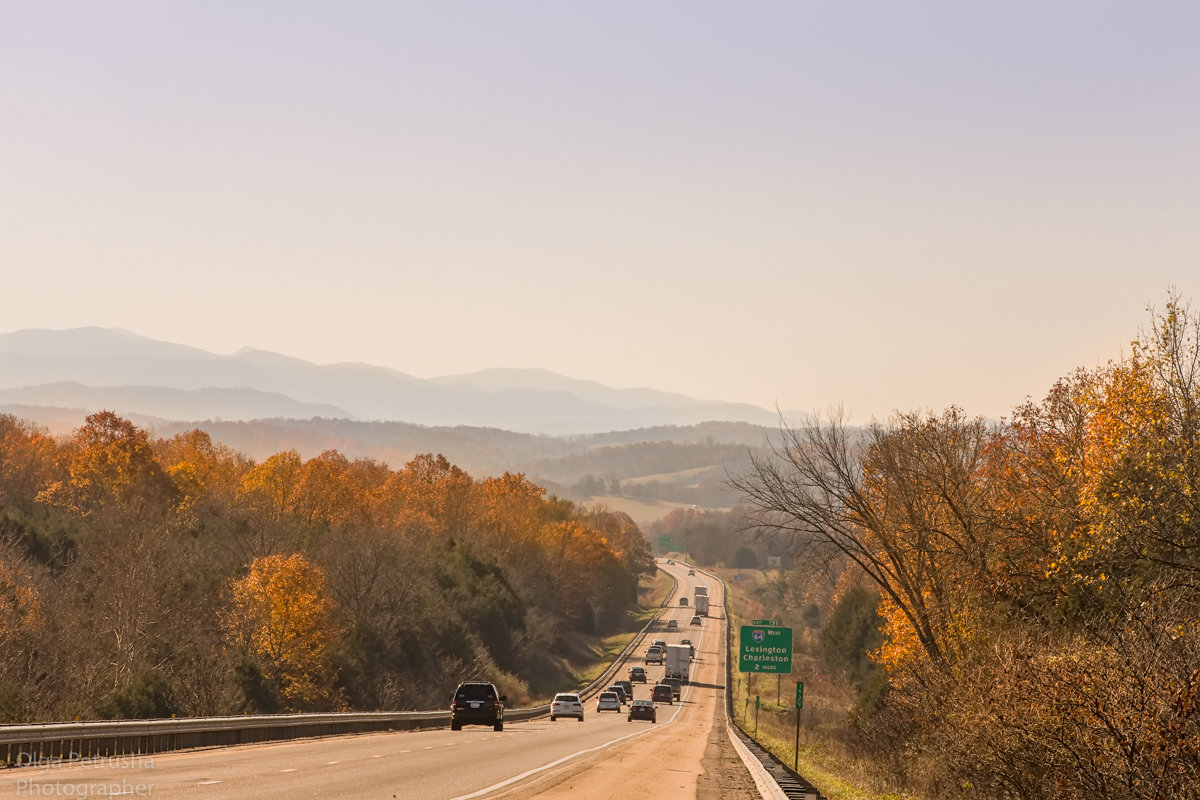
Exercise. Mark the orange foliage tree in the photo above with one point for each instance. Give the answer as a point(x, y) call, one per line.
point(280, 612)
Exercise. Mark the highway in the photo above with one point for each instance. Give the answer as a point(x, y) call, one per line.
point(605, 756)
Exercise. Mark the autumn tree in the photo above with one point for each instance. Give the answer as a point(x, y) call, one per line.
point(903, 504)
point(280, 612)
point(111, 465)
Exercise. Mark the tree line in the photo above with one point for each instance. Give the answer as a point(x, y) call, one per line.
point(1038, 577)
point(144, 577)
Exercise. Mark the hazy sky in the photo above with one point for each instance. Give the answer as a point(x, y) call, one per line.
point(891, 205)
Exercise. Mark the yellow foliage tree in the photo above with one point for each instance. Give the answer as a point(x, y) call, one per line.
point(281, 613)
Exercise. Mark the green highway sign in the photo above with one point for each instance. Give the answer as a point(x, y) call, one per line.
point(765, 648)
point(799, 694)
point(770, 622)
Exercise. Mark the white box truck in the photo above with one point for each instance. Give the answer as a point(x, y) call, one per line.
point(678, 662)
point(702, 605)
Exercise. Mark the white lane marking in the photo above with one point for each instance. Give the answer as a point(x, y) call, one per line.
point(562, 760)
point(289, 769)
point(406, 751)
point(333, 762)
point(430, 747)
point(382, 756)
point(207, 783)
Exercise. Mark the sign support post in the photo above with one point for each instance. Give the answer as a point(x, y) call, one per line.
point(799, 705)
point(756, 718)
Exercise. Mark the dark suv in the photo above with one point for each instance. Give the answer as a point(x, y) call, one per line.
point(477, 703)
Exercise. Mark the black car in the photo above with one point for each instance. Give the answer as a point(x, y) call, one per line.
point(663, 693)
point(643, 709)
point(637, 674)
point(619, 691)
point(477, 703)
point(628, 687)
point(676, 686)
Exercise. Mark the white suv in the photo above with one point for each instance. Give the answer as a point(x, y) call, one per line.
point(566, 704)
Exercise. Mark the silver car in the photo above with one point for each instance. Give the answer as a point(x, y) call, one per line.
point(608, 701)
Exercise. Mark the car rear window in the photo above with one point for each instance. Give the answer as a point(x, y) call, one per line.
point(566, 698)
point(476, 692)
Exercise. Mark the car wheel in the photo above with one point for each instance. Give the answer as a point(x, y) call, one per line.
point(456, 726)
point(553, 718)
point(581, 717)
point(499, 726)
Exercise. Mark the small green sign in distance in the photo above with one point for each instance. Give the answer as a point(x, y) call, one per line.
point(764, 648)
point(769, 622)
point(799, 694)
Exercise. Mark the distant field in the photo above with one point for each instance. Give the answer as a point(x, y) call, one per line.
point(641, 511)
point(679, 477)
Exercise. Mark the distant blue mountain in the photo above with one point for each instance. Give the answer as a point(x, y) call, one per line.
point(106, 368)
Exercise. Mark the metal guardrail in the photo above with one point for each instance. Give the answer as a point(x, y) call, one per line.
point(31, 745)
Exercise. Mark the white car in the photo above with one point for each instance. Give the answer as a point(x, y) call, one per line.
point(566, 704)
point(673, 623)
point(608, 701)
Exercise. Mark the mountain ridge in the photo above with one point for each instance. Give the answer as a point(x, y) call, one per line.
point(106, 366)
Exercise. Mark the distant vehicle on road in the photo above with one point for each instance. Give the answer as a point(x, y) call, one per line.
point(566, 704)
point(637, 674)
point(654, 654)
point(678, 661)
point(696, 621)
point(663, 693)
point(672, 623)
point(643, 709)
point(608, 701)
point(676, 686)
point(628, 687)
point(683, 602)
point(619, 691)
point(691, 572)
